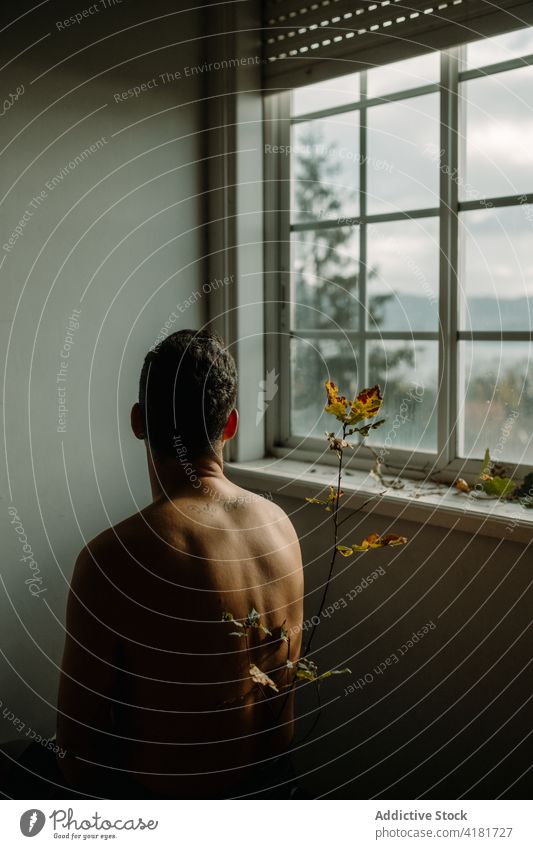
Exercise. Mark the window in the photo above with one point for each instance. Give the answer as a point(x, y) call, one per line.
point(402, 219)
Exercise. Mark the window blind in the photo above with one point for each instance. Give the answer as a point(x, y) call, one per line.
point(308, 42)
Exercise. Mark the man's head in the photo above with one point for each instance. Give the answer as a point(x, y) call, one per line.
point(187, 396)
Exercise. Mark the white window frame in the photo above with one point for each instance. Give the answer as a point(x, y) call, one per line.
point(445, 465)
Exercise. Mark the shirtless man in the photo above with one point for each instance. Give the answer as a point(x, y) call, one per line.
point(156, 697)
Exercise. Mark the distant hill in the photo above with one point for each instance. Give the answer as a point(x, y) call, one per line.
point(416, 312)
point(493, 314)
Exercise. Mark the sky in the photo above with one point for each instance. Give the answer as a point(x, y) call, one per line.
point(497, 112)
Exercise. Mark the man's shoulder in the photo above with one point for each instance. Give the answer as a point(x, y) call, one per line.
point(265, 503)
point(267, 513)
point(114, 544)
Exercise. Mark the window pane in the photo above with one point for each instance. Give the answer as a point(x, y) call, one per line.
point(400, 173)
point(499, 135)
point(325, 270)
point(325, 165)
point(400, 76)
point(407, 374)
point(487, 51)
point(313, 361)
point(496, 268)
point(495, 381)
point(403, 275)
point(337, 92)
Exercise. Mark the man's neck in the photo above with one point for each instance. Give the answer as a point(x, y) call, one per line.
point(173, 478)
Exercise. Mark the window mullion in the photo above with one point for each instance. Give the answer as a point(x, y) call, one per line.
point(361, 283)
point(277, 266)
point(447, 389)
point(285, 270)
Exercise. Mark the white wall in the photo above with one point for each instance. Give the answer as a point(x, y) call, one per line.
point(106, 224)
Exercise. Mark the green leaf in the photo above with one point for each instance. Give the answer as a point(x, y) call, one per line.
point(333, 497)
point(364, 431)
point(335, 672)
point(227, 616)
point(485, 470)
point(306, 663)
point(344, 550)
point(306, 674)
point(253, 618)
point(305, 669)
point(485, 466)
point(499, 487)
point(495, 485)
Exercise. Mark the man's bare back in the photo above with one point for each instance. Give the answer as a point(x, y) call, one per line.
point(148, 659)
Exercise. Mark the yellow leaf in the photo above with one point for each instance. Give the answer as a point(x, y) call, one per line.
point(393, 539)
point(333, 493)
point(344, 550)
point(332, 497)
point(336, 404)
point(375, 541)
point(366, 405)
point(261, 677)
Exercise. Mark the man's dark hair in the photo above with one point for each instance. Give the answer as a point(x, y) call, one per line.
point(187, 390)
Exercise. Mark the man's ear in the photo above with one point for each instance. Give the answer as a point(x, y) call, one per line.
point(231, 426)
point(136, 419)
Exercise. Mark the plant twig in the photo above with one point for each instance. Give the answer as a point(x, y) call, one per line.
point(334, 554)
point(365, 406)
point(292, 683)
point(316, 720)
point(265, 696)
point(363, 505)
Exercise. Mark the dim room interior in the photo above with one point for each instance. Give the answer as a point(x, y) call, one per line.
point(343, 191)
